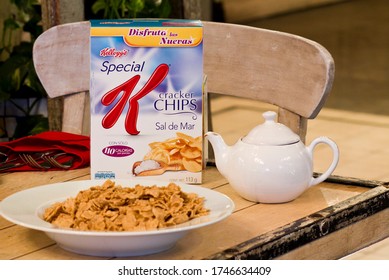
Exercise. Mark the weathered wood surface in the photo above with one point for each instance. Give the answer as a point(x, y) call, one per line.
point(355, 237)
point(260, 231)
point(352, 212)
point(54, 13)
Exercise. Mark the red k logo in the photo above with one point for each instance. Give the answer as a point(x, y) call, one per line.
point(127, 88)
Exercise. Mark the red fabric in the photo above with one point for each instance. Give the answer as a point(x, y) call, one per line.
point(77, 146)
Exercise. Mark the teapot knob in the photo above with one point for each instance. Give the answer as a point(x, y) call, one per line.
point(271, 132)
point(270, 116)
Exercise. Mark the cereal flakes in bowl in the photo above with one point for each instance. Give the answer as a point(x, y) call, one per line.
point(111, 207)
point(116, 218)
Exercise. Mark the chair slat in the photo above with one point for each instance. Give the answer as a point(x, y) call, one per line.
point(286, 70)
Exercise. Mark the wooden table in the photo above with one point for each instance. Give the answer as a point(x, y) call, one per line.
point(328, 221)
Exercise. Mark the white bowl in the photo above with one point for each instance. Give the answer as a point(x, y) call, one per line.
point(25, 208)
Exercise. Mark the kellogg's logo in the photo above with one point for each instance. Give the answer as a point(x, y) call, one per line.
point(118, 151)
point(113, 52)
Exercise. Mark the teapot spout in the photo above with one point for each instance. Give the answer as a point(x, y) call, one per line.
point(221, 150)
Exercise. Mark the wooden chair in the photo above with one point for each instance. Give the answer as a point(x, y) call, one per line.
point(289, 71)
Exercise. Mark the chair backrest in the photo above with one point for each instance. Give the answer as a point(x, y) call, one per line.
point(286, 70)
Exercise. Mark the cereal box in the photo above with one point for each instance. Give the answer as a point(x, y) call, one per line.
point(146, 92)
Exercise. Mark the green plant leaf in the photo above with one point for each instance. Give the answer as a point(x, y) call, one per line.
point(134, 7)
point(11, 24)
point(156, 9)
point(99, 5)
point(116, 9)
point(33, 82)
point(13, 72)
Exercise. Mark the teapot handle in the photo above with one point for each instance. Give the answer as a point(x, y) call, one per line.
point(335, 159)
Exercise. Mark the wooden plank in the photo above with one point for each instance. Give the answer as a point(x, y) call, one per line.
point(344, 241)
point(295, 122)
point(54, 13)
point(17, 241)
point(15, 182)
point(289, 71)
point(313, 227)
point(70, 49)
point(76, 117)
point(195, 9)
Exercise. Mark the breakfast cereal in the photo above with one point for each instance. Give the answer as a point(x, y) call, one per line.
point(111, 207)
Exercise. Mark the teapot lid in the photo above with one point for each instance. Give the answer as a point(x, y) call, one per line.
point(271, 133)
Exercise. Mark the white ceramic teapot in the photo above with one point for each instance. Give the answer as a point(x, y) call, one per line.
point(270, 164)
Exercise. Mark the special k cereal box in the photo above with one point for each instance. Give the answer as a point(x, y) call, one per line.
point(146, 92)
